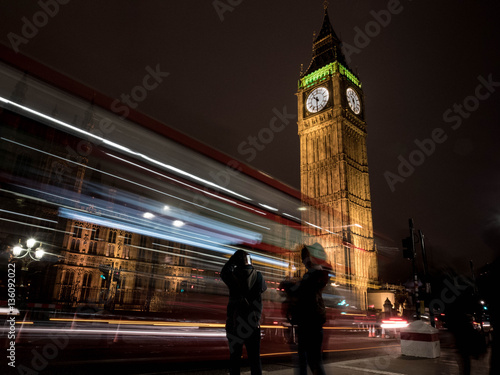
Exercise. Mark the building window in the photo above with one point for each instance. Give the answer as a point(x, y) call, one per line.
point(112, 236)
point(95, 234)
point(127, 239)
point(126, 252)
point(66, 285)
point(110, 250)
point(75, 245)
point(77, 231)
point(93, 248)
point(87, 282)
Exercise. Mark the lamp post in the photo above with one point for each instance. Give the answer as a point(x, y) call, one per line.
point(31, 252)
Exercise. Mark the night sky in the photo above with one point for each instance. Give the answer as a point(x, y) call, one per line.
point(228, 69)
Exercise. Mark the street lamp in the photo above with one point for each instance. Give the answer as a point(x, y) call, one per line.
point(29, 250)
point(34, 250)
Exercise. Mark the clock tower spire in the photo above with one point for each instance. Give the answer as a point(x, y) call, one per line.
point(327, 46)
point(334, 165)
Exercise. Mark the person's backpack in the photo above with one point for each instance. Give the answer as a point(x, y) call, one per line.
point(244, 305)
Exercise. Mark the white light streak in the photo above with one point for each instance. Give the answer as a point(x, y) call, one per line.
point(184, 332)
point(121, 147)
point(268, 207)
point(32, 217)
point(186, 184)
point(394, 325)
point(138, 184)
point(312, 225)
point(293, 217)
point(153, 232)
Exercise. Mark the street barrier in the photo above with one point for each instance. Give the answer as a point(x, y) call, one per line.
point(420, 340)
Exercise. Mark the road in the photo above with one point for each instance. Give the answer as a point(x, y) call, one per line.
point(62, 347)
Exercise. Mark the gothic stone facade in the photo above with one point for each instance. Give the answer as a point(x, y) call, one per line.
point(334, 164)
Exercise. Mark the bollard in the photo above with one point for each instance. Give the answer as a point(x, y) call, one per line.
point(420, 340)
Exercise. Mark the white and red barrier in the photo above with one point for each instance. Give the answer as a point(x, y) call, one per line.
point(420, 340)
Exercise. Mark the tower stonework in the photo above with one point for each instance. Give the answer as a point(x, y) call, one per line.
point(334, 165)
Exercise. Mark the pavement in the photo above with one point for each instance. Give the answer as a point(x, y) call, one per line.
point(396, 364)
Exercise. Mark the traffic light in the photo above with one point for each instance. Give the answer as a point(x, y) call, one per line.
point(116, 275)
point(105, 270)
point(408, 248)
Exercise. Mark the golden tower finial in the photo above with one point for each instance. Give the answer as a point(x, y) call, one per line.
point(325, 4)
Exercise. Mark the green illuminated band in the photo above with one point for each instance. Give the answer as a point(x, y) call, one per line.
point(325, 72)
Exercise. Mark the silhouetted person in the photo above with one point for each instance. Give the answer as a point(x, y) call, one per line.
point(307, 309)
point(244, 310)
point(460, 315)
point(488, 283)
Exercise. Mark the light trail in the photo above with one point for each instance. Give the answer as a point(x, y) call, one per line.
point(34, 225)
point(188, 185)
point(176, 333)
point(31, 217)
point(138, 184)
point(332, 350)
point(175, 324)
point(120, 147)
point(207, 245)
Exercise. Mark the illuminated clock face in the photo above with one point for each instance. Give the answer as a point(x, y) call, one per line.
point(317, 99)
point(353, 100)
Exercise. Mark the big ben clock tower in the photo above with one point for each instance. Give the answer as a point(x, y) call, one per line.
point(334, 165)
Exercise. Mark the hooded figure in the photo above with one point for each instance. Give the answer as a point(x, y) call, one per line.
point(310, 313)
point(244, 310)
